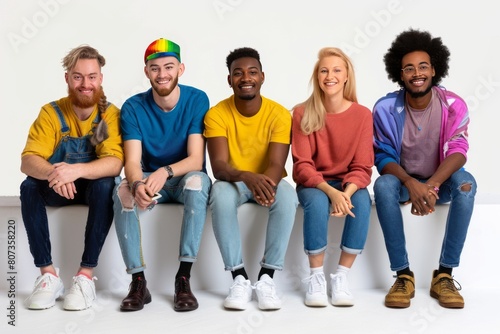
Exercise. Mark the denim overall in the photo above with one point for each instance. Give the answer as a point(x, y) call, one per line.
point(97, 194)
point(73, 149)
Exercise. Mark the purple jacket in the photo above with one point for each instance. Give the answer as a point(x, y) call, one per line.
point(389, 117)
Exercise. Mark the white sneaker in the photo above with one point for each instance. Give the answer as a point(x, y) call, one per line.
point(47, 289)
point(240, 294)
point(81, 295)
point(266, 293)
point(316, 290)
point(341, 296)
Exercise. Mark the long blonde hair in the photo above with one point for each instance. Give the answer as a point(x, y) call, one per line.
point(314, 113)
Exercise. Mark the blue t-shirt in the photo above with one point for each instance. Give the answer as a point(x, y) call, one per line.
point(163, 134)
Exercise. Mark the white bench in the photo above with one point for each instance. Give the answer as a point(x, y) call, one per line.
point(161, 230)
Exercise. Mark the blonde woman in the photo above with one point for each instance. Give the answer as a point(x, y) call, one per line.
point(332, 149)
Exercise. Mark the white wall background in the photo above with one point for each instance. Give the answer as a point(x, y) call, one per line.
point(37, 34)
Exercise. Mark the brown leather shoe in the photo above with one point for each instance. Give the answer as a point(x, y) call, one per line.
point(444, 290)
point(401, 292)
point(138, 295)
point(184, 300)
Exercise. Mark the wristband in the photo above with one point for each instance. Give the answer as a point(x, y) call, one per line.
point(134, 186)
point(169, 171)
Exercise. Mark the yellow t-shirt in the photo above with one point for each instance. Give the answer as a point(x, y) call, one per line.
point(45, 132)
point(249, 137)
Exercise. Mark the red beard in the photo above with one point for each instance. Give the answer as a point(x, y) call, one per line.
point(83, 102)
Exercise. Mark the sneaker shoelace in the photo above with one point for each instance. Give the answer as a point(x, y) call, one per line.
point(315, 282)
point(239, 289)
point(400, 284)
point(341, 283)
point(266, 289)
point(79, 283)
point(449, 284)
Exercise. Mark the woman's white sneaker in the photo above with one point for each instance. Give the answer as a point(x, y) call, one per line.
point(316, 290)
point(341, 296)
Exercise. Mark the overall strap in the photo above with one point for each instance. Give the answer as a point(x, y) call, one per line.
point(64, 126)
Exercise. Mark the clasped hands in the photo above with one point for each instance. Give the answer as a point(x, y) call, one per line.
point(61, 179)
point(145, 191)
point(423, 198)
point(262, 187)
point(341, 205)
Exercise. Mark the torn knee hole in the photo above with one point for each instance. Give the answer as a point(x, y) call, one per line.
point(466, 187)
point(125, 196)
point(193, 183)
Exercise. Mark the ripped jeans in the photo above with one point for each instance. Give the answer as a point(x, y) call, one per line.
point(191, 190)
point(459, 190)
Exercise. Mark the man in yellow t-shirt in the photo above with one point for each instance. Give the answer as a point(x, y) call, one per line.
point(72, 155)
point(248, 140)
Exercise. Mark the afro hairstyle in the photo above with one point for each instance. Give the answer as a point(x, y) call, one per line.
point(415, 40)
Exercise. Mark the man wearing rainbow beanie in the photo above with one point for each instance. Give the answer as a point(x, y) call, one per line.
point(162, 132)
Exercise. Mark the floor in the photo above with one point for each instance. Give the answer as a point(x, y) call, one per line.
point(369, 315)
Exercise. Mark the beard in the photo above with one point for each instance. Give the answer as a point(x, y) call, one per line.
point(416, 95)
point(167, 90)
point(246, 97)
point(82, 101)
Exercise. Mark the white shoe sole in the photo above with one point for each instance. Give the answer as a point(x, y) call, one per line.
point(317, 303)
point(75, 308)
point(343, 302)
point(41, 307)
point(269, 307)
point(234, 306)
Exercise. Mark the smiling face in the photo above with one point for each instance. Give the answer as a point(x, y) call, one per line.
point(246, 78)
point(417, 72)
point(84, 83)
point(332, 75)
point(163, 73)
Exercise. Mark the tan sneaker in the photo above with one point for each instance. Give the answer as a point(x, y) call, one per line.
point(401, 292)
point(444, 290)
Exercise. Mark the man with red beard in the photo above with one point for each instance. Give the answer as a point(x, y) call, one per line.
point(162, 132)
point(72, 155)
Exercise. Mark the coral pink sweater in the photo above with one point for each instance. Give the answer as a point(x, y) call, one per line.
point(342, 150)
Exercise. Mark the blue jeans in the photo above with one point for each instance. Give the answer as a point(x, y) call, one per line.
point(191, 190)
point(36, 195)
point(317, 208)
point(390, 193)
point(226, 197)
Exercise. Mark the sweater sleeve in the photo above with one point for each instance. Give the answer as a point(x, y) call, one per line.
point(304, 169)
point(360, 167)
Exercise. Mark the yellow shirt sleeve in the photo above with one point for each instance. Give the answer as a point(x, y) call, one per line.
point(44, 134)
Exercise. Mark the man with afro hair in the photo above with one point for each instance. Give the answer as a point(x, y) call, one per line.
point(421, 144)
